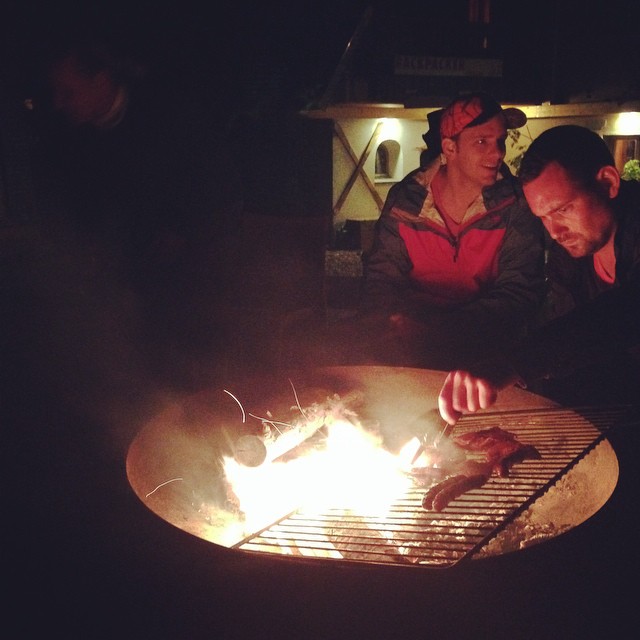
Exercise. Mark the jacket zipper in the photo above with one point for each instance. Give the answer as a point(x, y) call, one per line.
point(451, 239)
point(456, 247)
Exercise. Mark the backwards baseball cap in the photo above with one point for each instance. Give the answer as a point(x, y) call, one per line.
point(474, 109)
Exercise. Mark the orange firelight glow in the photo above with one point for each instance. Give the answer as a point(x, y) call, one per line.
point(353, 471)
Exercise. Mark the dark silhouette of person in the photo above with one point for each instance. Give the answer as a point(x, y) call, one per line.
point(145, 182)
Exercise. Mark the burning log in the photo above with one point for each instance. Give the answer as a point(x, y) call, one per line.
point(255, 450)
point(280, 440)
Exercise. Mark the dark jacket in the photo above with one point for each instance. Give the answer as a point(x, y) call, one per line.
point(604, 322)
point(476, 291)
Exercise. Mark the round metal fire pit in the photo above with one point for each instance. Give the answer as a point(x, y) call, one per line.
point(176, 467)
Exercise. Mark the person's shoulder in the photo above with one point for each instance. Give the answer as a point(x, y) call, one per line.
point(409, 195)
point(505, 191)
point(627, 211)
point(416, 181)
point(627, 208)
point(629, 198)
point(415, 175)
point(408, 182)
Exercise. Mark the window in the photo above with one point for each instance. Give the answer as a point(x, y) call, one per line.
point(382, 162)
point(388, 163)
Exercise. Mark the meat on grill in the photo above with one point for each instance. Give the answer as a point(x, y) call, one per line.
point(441, 494)
point(500, 449)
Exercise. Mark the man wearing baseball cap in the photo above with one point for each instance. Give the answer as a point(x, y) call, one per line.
point(456, 266)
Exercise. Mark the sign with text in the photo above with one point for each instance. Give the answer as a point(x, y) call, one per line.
point(445, 66)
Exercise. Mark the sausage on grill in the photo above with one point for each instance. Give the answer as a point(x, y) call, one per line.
point(455, 490)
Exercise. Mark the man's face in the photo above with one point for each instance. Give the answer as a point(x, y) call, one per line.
point(580, 221)
point(478, 151)
point(82, 98)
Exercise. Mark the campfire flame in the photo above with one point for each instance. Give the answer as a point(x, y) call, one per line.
point(353, 471)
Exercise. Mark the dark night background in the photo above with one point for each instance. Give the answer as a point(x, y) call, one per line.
point(260, 54)
point(258, 64)
point(242, 54)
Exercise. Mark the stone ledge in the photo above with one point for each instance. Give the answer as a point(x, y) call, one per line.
point(343, 263)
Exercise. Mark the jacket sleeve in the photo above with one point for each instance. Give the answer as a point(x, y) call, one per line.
point(594, 332)
point(386, 266)
point(589, 334)
point(518, 291)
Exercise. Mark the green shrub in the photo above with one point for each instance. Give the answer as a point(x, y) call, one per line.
point(631, 170)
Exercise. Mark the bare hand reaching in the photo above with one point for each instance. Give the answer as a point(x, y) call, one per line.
point(462, 393)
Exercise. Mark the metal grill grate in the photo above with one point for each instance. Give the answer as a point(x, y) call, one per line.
point(408, 534)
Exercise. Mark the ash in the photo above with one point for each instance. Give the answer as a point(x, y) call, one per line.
point(568, 503)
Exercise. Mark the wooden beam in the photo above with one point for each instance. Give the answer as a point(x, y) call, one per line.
point(359, 167)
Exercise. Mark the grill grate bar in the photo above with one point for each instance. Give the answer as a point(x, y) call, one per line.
point(408, 534)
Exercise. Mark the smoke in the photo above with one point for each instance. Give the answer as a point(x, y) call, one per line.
point(87, 339)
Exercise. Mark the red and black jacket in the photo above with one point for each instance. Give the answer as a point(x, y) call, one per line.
point(489, 276)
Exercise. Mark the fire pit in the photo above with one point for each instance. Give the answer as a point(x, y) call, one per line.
point(248, 469)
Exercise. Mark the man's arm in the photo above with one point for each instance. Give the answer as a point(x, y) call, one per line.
point(386, 266)
point(585, 336)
